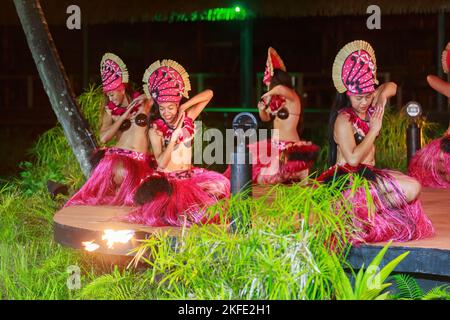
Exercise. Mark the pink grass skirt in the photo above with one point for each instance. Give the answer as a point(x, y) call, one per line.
point(192, 192)
point(431, 164)
point(280, 161)
point(115, 179)
point(392, 217)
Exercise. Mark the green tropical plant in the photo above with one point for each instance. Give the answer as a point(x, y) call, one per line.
point(409, 289)
point(395, 123)
point(369, 283)
point(116, 285)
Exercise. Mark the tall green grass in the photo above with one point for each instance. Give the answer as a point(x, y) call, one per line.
point(391, 143)
point(282, 250)
point(52, 156)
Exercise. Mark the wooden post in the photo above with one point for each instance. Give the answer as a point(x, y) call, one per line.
point(246, 59)
point(55, 81)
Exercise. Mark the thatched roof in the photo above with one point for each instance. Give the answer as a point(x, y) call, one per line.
point(130, 11)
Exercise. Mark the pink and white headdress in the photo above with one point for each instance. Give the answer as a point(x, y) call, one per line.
point(114, 72)
point(355, 69)
point(166, 81)
point(273, 62)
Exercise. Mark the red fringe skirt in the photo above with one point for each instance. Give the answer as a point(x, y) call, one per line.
point(392, 217)
point(280, 161)
point(192, 192)
point(431, 164)
point(115, 179)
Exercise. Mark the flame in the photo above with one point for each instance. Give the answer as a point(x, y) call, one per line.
point(90, 246)
point(121, 236)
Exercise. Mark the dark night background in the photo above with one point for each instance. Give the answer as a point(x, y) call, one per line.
point(407, 49)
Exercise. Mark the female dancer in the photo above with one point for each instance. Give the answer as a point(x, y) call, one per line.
point(284, 158)
point(121, 168)
point(354, 126)
point(177, 194)
point(431, 164)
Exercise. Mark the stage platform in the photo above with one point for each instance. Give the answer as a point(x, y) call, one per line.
point(78, 224)
point(428, 256)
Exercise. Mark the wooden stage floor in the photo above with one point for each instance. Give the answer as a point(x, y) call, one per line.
point(436, 203)
point(91, 221)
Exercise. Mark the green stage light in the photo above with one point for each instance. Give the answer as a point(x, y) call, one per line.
point(214, 14)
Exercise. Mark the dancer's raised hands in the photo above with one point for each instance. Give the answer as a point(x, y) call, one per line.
point(376, 120)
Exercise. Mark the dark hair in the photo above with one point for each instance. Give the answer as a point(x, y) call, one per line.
point(153, 115)
point(341, 101)
point(280, 77)
point(128, 94)
point(154, 112)
point(283, 78)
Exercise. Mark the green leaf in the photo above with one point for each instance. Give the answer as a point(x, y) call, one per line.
point(386, 271)
point(408, 287)
point(438, 293)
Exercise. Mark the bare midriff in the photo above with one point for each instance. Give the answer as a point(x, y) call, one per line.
point(181, 157)
point(287, 128)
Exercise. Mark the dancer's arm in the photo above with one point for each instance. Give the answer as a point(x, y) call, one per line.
point(262, 108)
point(441, 86)
point(383, 93)
point(196, 104)
point(343, 135)
point(280, 90)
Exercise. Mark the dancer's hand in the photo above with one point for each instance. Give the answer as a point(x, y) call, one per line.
point(262, 105)
point(379, 99)
point(127, 114)
point(383, 93)
point(266, 97)
point(180, 119)
point(376, 121)
point(137, 101)
point(178, 132)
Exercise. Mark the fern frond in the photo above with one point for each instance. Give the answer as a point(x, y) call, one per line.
point(408, 287)
point(438, 293)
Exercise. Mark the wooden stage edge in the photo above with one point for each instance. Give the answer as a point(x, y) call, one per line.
point(77, 224)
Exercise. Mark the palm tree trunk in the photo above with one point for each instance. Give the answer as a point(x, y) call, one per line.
point(55, 81)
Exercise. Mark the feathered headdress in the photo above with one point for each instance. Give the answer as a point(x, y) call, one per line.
point(166, 81)
point(113, 71)
point(355, 68)
point(273, 62)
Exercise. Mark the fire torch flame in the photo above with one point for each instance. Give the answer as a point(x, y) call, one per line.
point(121, 236)
point(90, 246)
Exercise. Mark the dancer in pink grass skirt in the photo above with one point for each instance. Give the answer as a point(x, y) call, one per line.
point(121, 168)
point(356, 122)
point(177, 194)
point(431, 164)
point(284, 158)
